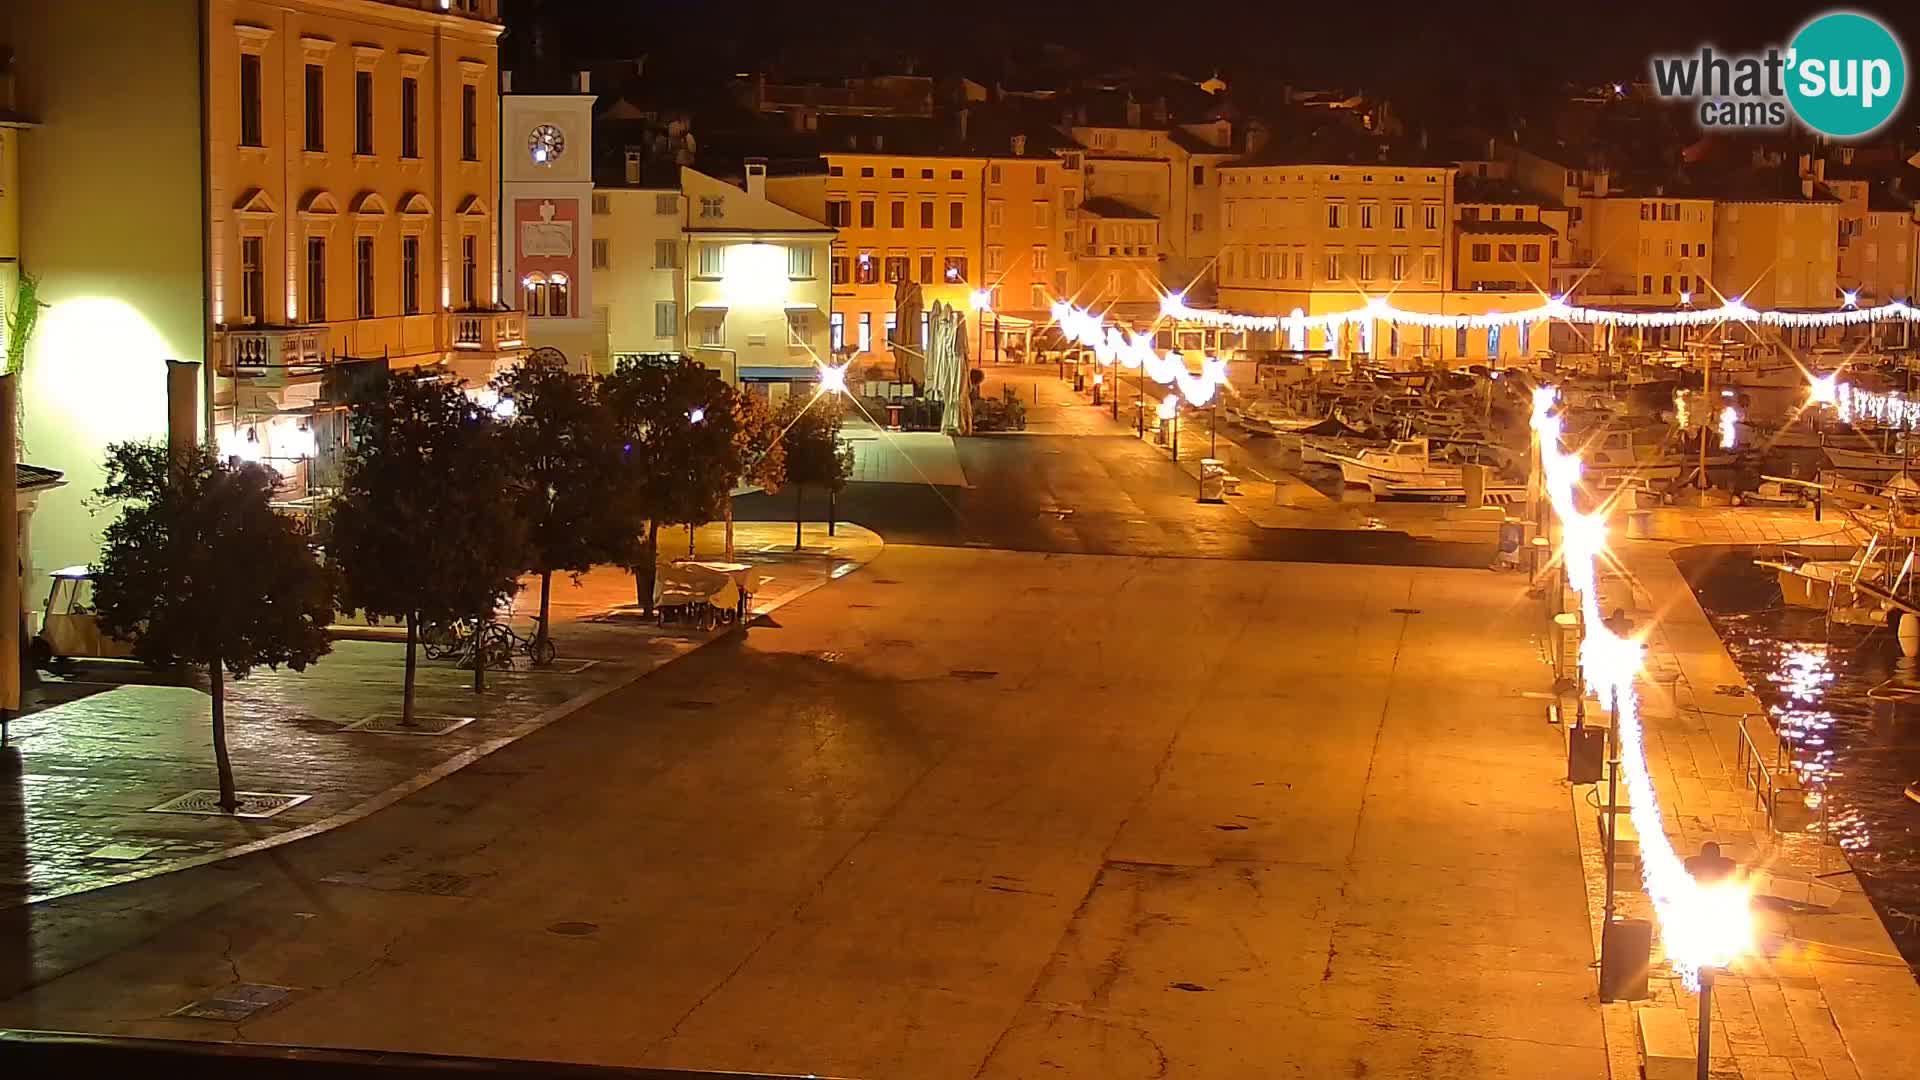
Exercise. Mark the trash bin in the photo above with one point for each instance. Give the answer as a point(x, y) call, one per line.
point(1512, 535)
point(1161, 432)
point(1079, 380)
point(1213, 480)
point(1096, 393)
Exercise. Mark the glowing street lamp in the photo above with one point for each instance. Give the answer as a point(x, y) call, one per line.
point(833, 380)
point(696, 415)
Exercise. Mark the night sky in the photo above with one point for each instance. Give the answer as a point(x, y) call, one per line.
point(1480, 56)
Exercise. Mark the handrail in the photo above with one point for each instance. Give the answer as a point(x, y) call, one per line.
point(1754, 771)
point(50, 1053)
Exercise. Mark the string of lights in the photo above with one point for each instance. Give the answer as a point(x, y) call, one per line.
point(1136, 352)
point(1379, 309)
point(1701, 925)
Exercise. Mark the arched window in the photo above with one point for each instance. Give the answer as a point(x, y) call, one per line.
point(558, 299)
point(534, 286)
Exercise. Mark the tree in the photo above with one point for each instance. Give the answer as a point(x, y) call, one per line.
point(426, 527)
point(763, 456)
point(199, 569)
point(678, 425)
point(567, 453)
point(815, 454)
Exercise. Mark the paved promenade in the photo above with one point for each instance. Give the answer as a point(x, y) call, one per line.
point(1825, 995)
point(105, 745)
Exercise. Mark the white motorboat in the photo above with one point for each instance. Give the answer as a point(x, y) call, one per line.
point(1497, 494)
point(1865, 460)
point(1403, 461)
point(1615, 455)
point(1819, 583)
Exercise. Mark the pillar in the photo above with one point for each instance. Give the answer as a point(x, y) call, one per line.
point(10, 561)
point(183, 406)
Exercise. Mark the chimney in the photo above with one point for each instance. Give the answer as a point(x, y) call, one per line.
point(1600, 183)
point(506, 81)
point(1806, 164)
point(1820, 169)
point(1080, 116)
point(633, 165)
point(962, 117)
point(1019, 146)
point(1160, 112)
point(1846, 155)
point(583, 82)
point(1806, 187)
point(1133, 113)
point(757, 177)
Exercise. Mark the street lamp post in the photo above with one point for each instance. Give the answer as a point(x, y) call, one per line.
point(1706, 1024)
point(982, 302)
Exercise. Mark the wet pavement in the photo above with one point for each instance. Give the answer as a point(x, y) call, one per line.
point(105, 744)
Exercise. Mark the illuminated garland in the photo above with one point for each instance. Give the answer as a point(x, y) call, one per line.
point(1702, 925)
point(1378, 309)
point(1136, 352)
point(1853, 404)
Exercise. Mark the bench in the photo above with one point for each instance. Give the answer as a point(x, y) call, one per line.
point(1667, 1049)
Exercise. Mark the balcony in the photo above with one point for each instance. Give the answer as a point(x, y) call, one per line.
point(489, 331)
point(272, 355)
point(475, 9)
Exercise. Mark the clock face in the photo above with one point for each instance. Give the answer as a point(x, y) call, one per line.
point(546, 144)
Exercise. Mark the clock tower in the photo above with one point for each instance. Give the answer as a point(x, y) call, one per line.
point(546, 219)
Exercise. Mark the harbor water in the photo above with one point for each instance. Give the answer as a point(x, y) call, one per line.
point(1848, 705)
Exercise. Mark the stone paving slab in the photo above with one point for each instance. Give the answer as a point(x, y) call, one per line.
point(103, 745)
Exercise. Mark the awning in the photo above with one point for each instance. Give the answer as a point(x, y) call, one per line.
point(771, 373)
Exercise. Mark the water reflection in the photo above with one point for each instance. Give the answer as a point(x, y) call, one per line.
point(1847, 708)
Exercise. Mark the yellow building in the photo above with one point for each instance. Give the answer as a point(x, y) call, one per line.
point(1877, 239)
point(641, 275)
point(1172, 173)
point(1118, 259)
point(1652, 250)
point(1501, 240)
point(1027, 252)
point(266, 188)
point(1325, 238)
point(1776, 244)
point(899, 219)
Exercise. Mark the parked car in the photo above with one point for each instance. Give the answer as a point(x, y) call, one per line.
point(69, 629)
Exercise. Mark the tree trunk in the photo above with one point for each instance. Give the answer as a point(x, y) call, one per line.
point(650, 568)
point(546, 591)
point(406, 695)
point(216, 676)
point(799, 494)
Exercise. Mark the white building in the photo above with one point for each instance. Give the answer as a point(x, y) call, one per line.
point(718, 272)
